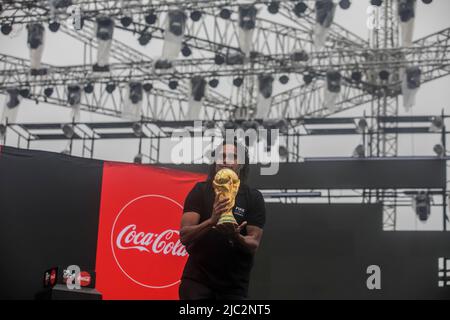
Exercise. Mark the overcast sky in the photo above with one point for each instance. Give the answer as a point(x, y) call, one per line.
point(430, 100)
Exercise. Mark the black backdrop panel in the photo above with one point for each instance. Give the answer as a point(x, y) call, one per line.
point(347, 174)
point(49, 205)
point(319, 251)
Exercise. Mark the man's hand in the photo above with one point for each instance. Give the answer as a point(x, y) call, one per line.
point(219, 208)
point(230, 229)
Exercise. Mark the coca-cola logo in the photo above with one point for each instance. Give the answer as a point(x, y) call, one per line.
point(145, 241)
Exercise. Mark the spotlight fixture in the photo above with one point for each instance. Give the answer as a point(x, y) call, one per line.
point(219, 59)
point(362, 125)
point(186, 51)
point(284, 79)
point(439, 150)
point(25, 92)
point(377, 3)
point(300, 8)
point(138, 158)
point(196, 15)
point(437, 123)
point(384, 75)
point(6, 29)
point(356, 76)
point(237, 82)
point(308, 78)
point(150, 17)
point(137, 129)
point(427, 1)
point(422, 204)
point(126, 21)
point(359, 151)
point(89, 88)
point(283, 152)
point(110, 87)
point(48, 92)
point(54, 26)
point(147, 87)
point(344, 4)
point(2, 130)
point(273, 7)
point(145, 38)
point(213, 83)
point(68, 130)
point(173, 84)
point(225, 13)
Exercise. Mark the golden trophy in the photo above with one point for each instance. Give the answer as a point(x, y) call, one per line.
point(226, 185)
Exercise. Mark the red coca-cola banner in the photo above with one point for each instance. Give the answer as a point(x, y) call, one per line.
point(139, 254)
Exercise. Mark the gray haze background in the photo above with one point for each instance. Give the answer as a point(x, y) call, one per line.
point(432, 97)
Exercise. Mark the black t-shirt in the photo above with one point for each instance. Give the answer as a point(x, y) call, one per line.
point(213, 260)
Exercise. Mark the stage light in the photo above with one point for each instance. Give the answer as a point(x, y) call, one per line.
point(104, 34)
point(300, 8)
point(273, 7)
point(359, 151)
point(422, 204)
point(284, 79)
point(377, 3)
point(13, 98)
point(410, 85)
point(234, 58)
point(225, 13)
point(110, 87)
point(74, 94)
point(196, 15)
point(230, 125)
point(173, 84)
point(299, 56)
point(6, 29)
point(333, 81)
point(186, 51)
point(150, 17)
point(344, 4)
point(413, 75)
point(427, 1)
point(209, 124)
point(147, 87)
point(213, 83)
point(68, 130)
point(25, 92)
point(250, 125)
point(177, 21)
point(362, 125)
point(135, 93)
point(138, 158)
point(48, 92)
point(265, 85)
point(406, 10)
point(163, 64)
point(439, 150)
point(145, 38)
point(126, 21)
point(283, 152)
point(384, 74)
point(219, 59)
point(356, 76)
point(247, 16)
point(2, 130)
point(137, 129)
point(198, 87)
point(237, 82)
point(54, 26)
point(308, 78)
point(437, 123)
point(89, 88)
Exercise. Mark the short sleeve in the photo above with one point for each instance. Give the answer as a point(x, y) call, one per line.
point(194, 200)
point(257, 215)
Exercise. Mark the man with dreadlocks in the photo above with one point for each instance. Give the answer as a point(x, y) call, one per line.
point(221, 255)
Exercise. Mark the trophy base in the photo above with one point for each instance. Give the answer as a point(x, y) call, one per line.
point(227, 219)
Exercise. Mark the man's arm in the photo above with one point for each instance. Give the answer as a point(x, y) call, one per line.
point(251, 241)
point(191, 229)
